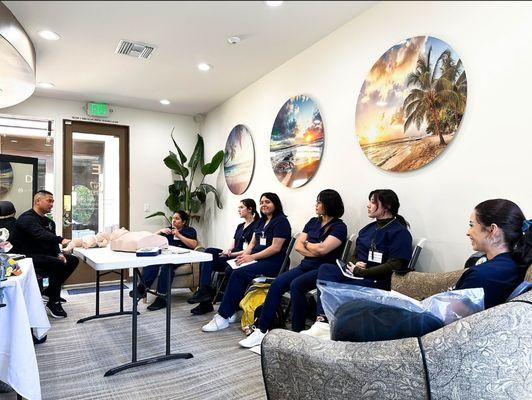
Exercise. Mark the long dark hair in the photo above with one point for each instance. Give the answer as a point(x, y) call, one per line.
point(184, 217)
point(332, 203)
point(250, 203)
point(510, 219)
point(276, 203)
point(390, 201)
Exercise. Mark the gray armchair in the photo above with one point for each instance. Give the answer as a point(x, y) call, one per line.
point(484, 356)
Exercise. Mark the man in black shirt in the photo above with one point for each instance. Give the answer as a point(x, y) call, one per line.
point(36, 238)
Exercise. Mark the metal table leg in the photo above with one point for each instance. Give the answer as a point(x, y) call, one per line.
point(168, 356)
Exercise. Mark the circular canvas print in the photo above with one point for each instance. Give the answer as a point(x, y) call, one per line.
point(239, 159)
point(296, 143)
point(411, 104)
point(6, 177)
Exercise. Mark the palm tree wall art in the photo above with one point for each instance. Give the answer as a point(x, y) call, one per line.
point(411, 104)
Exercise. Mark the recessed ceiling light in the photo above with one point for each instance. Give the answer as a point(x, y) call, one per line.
point(45, 85)
point(164, 102)
point(233, 40)
point(274, 3)
point(204, 67)
point(49, 35)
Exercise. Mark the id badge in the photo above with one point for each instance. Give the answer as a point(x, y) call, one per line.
point(375, 256)
point(262, 241)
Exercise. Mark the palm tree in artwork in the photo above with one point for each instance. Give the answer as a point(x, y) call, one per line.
point(432, 90)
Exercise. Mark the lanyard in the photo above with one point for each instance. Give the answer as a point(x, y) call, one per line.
point(372, 246)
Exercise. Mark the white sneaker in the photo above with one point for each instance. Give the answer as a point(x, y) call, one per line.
point(234, 318)
point(217, 324)
point(253, 340)
point(319, 329)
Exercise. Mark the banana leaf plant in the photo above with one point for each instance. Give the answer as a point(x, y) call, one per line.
point(183, 194)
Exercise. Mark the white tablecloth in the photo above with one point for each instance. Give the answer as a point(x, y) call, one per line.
point(25, 309)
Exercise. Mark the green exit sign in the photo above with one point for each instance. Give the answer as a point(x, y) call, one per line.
point(97, 109)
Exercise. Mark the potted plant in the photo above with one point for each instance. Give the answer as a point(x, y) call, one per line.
point(183, 193)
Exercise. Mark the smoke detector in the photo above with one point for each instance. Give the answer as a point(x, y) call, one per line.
point(135, 49)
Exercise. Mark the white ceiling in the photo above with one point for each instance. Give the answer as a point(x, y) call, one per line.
point(83, 66)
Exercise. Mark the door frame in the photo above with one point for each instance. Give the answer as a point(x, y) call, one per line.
point(120, 131)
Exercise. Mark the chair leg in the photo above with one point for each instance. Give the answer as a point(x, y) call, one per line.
point(218, 289)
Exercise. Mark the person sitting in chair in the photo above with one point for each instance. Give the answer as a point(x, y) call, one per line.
point(35, 237)
point(179, 235)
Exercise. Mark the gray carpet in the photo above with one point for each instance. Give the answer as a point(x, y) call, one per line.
point(74, 358)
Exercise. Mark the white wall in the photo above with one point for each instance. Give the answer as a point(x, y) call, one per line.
point(149, 143)
point(489, 157)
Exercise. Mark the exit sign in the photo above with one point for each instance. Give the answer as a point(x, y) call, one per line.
point(97, 109)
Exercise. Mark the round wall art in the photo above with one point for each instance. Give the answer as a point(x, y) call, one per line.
point(411, 104)
point(239, 159)
point(296, 143)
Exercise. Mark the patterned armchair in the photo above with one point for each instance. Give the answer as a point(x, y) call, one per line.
point(484, 356)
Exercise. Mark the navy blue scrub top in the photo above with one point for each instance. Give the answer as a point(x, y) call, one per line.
point(498, 277)
point(187, 231)
point(394, 241)
point(317, 234)
point(244, 235)
point(278, 227)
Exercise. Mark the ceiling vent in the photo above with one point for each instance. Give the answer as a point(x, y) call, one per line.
point(135, 49)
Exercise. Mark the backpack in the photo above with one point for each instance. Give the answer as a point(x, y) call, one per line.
point(254, 297)
point(252, 303)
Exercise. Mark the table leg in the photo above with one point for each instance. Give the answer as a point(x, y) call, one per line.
point(168, 355)
point(97, 315)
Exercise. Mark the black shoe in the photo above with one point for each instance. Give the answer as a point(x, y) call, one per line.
point(202, 308)
point(141, 292)
point(158, 303)
point(203, 294)
point(55, 310)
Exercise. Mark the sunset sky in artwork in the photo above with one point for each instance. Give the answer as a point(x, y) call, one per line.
point(379, 113)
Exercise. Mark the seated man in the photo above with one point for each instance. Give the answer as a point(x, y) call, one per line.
point(36, 238)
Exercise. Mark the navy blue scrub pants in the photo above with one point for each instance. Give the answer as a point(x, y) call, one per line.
point(218, 263)
point(299, 280)
point(149, 274)
point(239, 280)
point(331, 273)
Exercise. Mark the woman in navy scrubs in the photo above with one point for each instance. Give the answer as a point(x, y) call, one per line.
point(498, 228)
point(381, 247)
point(322, 241)
point(243, 235)
point(179, 235)
point(267, 250)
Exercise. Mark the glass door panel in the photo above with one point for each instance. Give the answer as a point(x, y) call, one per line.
point(95, 184)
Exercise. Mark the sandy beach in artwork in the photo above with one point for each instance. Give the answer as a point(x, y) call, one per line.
point(411, 155)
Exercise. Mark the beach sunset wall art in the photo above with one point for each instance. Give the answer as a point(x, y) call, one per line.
point(296, 142)
point(239, 159)
point(411, 104)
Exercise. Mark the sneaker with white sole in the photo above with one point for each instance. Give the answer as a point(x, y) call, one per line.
point(252, 340)
point(55, 310)
point(319, 329)
point(234, 318)
point(217, 324)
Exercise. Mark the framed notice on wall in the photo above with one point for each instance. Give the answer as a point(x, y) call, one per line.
point(18, 181)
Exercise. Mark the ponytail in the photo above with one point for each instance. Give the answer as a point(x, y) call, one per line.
point(510, 219)
point(522, 251)
point(250, 203)
point(390, 201)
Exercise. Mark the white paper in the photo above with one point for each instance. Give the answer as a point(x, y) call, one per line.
point(232, 264)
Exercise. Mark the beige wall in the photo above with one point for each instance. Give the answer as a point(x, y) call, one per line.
point(490, 156)
point(149, 143)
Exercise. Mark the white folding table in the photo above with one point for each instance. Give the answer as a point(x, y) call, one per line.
point(105, 260)
point(23, 310)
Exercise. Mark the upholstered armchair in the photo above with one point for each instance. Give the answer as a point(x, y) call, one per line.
point(484, 356)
